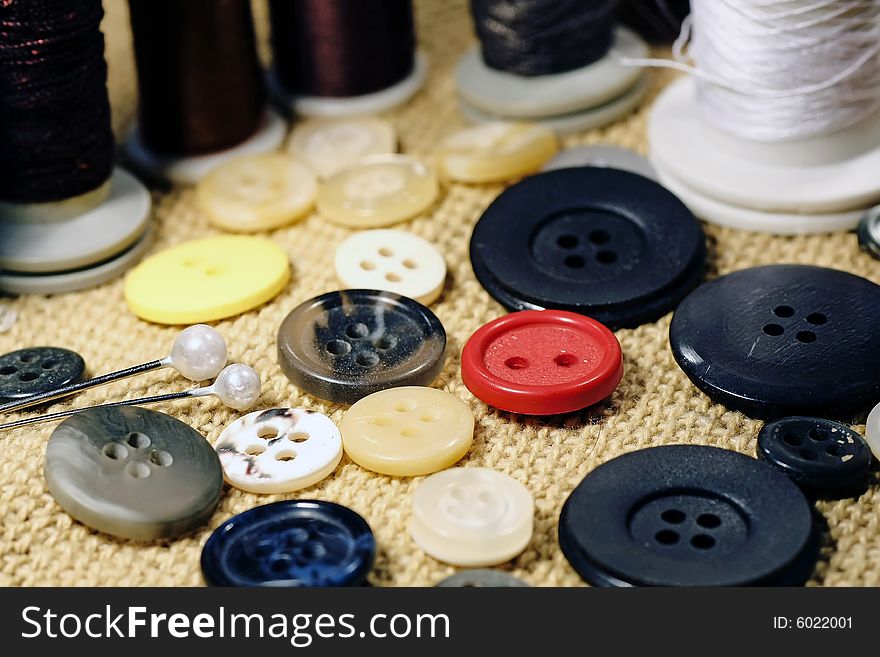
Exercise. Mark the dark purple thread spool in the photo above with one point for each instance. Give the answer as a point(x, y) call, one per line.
point(56, 140)
point(340, 48)
point(201, 85)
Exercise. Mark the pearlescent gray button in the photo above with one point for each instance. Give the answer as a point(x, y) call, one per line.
point(482, 577)
point(133, 472)
point(34, 370)
point(610, 157)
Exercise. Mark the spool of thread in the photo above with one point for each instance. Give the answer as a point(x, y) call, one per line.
point(68, 219)
point(778, 128)
point(202, 97)
point(336, 57)
point(553, 61)
point(56, 142)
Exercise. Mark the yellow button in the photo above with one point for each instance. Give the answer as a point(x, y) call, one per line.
point(407, 431)
point(330, 145)
point(257, 192)
point(378, 191)
point(493, 152)
point(207, 280)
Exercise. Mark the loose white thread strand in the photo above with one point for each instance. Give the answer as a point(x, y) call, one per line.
point(779, 70)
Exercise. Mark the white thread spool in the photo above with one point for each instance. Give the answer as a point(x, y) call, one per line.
point(824, 170)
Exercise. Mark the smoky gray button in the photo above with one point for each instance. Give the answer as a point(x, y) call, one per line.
point(133, 472)
point(35, 370)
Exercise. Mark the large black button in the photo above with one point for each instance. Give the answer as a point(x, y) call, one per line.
point(36, 370)
point(782, 340)
point(601, 242)
point(824, 458)
point(687, 515)
point(342, 346)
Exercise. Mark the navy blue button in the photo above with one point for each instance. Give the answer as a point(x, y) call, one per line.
point(782, 340)
point(601, 242)
point(824, 458)
point(343, 346)
point(292, 543)
point(35, 370)
point(688, 515)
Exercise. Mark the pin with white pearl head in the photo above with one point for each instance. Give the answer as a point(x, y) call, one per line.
point(198, 354)
point(237, 386)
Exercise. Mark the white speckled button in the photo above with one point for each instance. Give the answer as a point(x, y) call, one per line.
point(471, 517)
point(257, 192)
point(330, 145)
point(496, 151)
point(391, 260)
point(378, 191)
point(279, 450)
point(407, 431)
point(872, 431)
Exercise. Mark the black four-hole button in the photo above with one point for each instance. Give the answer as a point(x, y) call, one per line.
point(36, 370)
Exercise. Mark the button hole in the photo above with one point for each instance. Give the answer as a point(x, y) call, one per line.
point(138, 440)
point(385, 343)
point(817, 319)
point(575, 262)
point(818, 435)
point(338, 347)
point(409, 432)
point(410, 264)
point(673, 516)
point(806, 336)
point(599, 237)
point(49, 364)
point(115, 451)
point(367, 265)
point(708, 520)
point(357, 330)
point(137, 470)
point(835, 449)
point(517, 363)
point(783, 311)
point(161, 458)
point(367, 359)
point(298, 437)
point(391, 277)
point(703, 542)
point(267, 432)
point(667, 537)
point(385, 252)
point(565, 360)
point(792, 440)
point(774, 329)
point(27, 357)
point(405, 406)
point(255, 450)
point(287, 455)
point(567, 241)
point(9, 369)
point(28, 376)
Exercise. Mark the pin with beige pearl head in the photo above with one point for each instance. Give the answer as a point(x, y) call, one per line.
point(237, 386)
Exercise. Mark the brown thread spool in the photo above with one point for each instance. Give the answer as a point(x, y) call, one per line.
point(201, 87)
point(327, 52)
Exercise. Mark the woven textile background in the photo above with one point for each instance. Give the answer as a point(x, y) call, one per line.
point(654, 405)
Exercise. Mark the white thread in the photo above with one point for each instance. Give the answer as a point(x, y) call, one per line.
point(778, 70)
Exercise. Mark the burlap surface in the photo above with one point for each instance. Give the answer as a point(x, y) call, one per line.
point(654, 405)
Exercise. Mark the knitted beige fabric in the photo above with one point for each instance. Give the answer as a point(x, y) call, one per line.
point(654, 405)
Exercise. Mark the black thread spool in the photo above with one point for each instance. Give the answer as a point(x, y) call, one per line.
point(202, 98)
point(68, 219)
point(338, 57)
point(550, 61)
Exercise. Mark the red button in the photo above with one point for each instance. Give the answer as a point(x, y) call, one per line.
point(542, 362)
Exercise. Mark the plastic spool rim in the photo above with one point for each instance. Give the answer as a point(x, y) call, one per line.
point(784, 178)
point(523, 97)
point(733, 216)
point(567, 124)
point(189, 170)
point(374, 103)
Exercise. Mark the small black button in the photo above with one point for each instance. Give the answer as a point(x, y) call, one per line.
point(687, 515)
point(822, 457)
point(782, 340)
point(601, 242)
point(342, 346)
point(36, 370)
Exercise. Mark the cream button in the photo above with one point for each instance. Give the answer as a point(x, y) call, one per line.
point(330, 145)
point(257, 192)
point(378, 191)
point(407, 431)
point(391, 260)
point(471, 517)
point(279, 450)
point(494, 152)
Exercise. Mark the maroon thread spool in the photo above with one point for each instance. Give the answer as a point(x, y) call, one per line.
point(339, 58)
point(202, 96)
point(68, 219)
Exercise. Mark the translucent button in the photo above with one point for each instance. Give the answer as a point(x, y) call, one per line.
point(378, 191)
point(279, 450)
point(206, 280)
point(330, 145)
point(872, 431)
point(493, 152)
point(257, 192)
point(407, 431)
point(391, 260)
point(471, 517)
